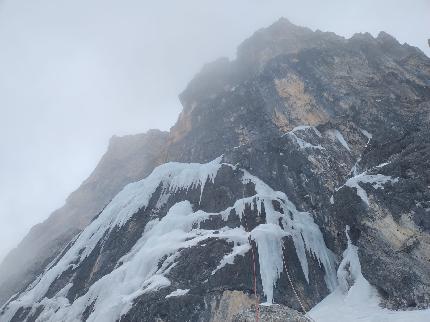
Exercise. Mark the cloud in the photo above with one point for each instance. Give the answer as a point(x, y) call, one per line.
point(73, 73)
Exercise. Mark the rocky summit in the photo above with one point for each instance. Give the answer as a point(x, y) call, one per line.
point(295, 186)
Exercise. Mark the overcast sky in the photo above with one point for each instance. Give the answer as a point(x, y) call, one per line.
point(73, 73)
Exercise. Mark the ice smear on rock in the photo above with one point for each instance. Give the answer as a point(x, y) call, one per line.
point(337, 135)
point(302, 143)
point(366, 134)
point(146, 267)
point(306, 235)
point(355, 300)
point(178, 292)
point(376, 180)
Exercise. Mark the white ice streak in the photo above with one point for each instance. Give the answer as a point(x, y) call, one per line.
point(268, 238)
point(335, 134)
point(355, 300)
point(178, 292)
point(238, 250)
point(302, 143)
point(354, 170)
point(376, 180)
point(366, 134)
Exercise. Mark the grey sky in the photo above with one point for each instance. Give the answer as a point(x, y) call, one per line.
point(73, 73)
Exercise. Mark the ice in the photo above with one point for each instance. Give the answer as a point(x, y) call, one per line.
point(366, 134)
point(302, 143)
point(306, 235)
point(268, 238)
point(336, 134)
point(178, 292)
point(350, 268)
point(376, 180)
point(229, 258)
point(360, 302)
point(354, 170)
point(145, 268)
point(172, 176)
point(306, 127)
point(195, 175)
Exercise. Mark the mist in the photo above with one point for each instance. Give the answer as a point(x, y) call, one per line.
point(74, 73)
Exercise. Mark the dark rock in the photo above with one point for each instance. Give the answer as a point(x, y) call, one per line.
point(275, 313)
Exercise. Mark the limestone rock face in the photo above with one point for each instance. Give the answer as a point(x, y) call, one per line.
point(275, 313)
point(273, 156)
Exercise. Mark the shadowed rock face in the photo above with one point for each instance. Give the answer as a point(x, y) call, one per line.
point(311, 114)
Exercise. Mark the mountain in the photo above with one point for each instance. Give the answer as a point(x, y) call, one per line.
point(128, 159)
point(296, 174)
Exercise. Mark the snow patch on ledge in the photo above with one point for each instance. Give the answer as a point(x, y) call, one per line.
point(360, 302)
point(376, 180)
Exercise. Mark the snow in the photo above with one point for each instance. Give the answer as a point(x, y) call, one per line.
point(360, 302)
point(376, 180)
point(147, 265)
point(193, 175)
point(337, 135)
point(238, 250)
point(350, 267)
point(354, 170)
point(305, 127)
point(299, 225)
point(302, 143)
point(172, 177)
point(383, 164)
point(366, 134)
point(178, 292)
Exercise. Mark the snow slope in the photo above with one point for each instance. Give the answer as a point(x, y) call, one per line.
point(360, 302)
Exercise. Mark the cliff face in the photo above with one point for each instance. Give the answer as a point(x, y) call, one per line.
point(303, 135)
point(128, 159)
